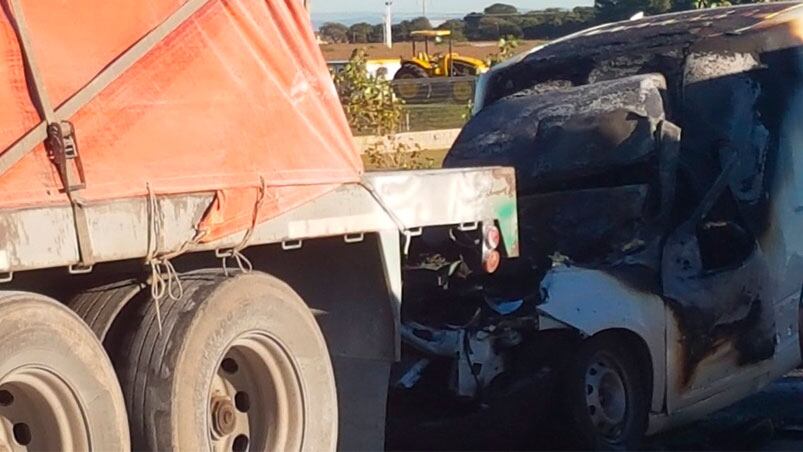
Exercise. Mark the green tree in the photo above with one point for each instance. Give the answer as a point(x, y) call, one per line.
point(361, 33)
point(501, 9)
point(372, 108)
point(334, 32)
point(457, 27)
point(507, 49)
point(710, 3)
point(420, 23)
point(378, 33)
point(369, 101)
point(401, 31)
point(492, 28)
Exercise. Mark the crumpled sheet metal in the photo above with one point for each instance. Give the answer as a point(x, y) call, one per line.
point(574, 133)
point(237, 97)
point(588, 226)
point(734, 88)
point(594, 165)
point(584, 57)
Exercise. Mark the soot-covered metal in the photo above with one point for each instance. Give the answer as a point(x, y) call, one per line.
point(593, 126)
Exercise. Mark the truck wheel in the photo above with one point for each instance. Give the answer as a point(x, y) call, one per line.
point(240, 364)
point(411, 83)
point(607, 397)
point(58, 390)
point(462, 91)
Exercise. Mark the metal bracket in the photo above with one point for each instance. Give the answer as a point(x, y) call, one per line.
point(243, 263)
point(468, 227)
point(78, 269)
point(354, 238)
point(289, 245)
point(408, 238)
point(222, 253)
point(63, 146)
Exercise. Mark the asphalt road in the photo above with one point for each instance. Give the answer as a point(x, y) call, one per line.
point(771, 420)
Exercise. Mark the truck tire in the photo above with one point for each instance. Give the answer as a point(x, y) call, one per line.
point(411, 83)
point(58, 390)
point(607, 395)
point(239, 364)
point(462, 91)
point(100, 307)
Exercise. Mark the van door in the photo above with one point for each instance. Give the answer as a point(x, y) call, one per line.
point(715, 280)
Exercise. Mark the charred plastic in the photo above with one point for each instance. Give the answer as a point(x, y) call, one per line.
point(648, 153)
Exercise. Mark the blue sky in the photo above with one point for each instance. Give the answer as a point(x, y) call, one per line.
point(436, 6)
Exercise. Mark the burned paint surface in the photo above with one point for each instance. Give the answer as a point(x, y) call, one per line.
point(655, 41)
point(604, 184)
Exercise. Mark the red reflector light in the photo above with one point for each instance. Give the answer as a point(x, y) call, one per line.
point(492, 238)
point(491, 262)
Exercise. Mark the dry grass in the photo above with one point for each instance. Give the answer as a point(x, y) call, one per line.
point(482, 50)
point(436, 156)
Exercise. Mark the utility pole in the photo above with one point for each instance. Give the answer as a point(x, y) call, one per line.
point(388, 24)
point(424, 7)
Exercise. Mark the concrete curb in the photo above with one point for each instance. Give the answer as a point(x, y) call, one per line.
point(429, 140)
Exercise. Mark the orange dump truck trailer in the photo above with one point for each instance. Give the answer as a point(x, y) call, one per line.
point(191, 254)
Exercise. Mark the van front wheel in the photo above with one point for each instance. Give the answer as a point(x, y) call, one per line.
point(607, 395)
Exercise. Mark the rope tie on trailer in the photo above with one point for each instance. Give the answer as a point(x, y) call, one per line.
point(156, 281)
point(164, 279)
point(235, 253)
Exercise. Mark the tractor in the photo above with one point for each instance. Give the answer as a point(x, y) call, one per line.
point(424, 65)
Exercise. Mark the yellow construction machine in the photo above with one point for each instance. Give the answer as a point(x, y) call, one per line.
point(424, 65)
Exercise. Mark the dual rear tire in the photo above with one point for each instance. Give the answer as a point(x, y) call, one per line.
point(58, 390)
point(239, 364)
point(236, 364)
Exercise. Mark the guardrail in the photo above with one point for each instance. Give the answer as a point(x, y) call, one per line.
point(436, 90)
point(435, 103)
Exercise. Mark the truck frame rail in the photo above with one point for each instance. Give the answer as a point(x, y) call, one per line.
point(44, 237)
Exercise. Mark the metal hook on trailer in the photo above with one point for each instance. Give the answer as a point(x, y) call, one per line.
point(79, 269)
point(290, 245)
point(468, 227)
point(354, 238)
point(242, 261)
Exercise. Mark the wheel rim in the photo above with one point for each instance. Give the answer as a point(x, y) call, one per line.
point(255, 399)
point(462, 91)
point(39, 411)
point(409, 87)
point(606, 396)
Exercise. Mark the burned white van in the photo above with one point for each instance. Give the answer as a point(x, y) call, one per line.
point(659, 170)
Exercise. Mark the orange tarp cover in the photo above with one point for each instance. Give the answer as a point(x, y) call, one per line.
point(237, 95)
